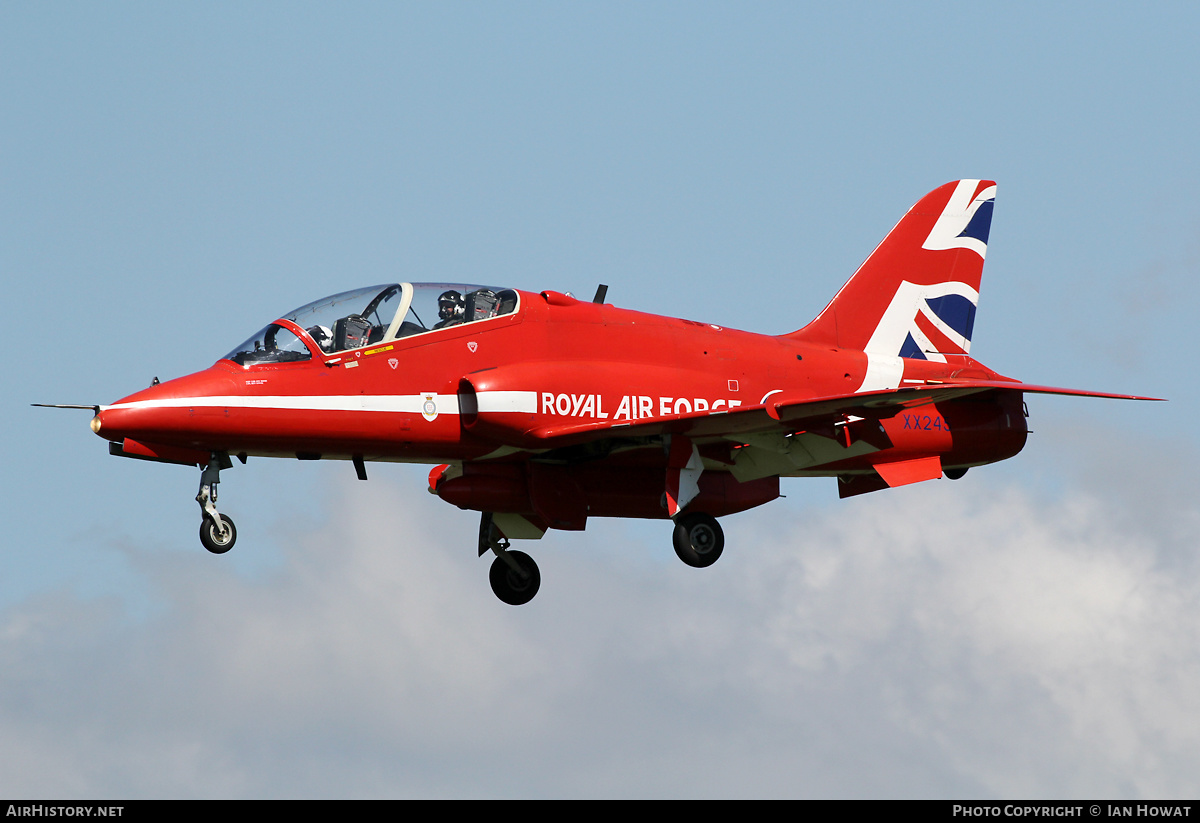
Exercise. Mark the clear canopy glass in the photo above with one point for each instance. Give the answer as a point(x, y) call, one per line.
point(371, 315)
point(442, 305)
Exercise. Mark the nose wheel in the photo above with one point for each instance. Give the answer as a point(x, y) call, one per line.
point(217, 532)
point(218, 539)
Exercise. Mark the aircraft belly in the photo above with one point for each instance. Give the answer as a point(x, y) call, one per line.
point(565, 496)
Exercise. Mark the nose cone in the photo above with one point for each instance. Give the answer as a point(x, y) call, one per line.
point(170, 413)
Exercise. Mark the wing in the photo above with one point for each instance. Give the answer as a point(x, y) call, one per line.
point(795, 413)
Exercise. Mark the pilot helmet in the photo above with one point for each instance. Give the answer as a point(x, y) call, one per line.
point(322, 336)
point(450, 304)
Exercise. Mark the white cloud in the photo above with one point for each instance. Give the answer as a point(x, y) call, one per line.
point(950, 639)
point(1042, 651)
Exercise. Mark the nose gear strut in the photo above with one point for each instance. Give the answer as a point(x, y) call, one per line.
point(217, 531)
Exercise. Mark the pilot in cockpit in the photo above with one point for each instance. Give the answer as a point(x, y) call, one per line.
point(451, 309)
point(323, 337)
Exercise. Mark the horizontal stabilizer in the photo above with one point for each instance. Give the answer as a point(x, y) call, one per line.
point(1033, 389)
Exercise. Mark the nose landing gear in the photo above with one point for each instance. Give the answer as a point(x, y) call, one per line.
point(217, 532)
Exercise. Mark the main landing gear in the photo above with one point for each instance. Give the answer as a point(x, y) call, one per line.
point(217, 531)
point(514, 576)
point(698, 538)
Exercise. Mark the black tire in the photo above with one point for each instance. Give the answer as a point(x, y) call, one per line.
point(698, 539)
point(954, 474)
point(511, 587)
point(211, 537)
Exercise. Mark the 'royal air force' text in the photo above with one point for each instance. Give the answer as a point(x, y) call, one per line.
point(631, 406)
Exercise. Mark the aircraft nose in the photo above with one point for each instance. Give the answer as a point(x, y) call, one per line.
point(162, 413)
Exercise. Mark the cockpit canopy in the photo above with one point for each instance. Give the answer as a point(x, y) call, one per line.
point(371, 315)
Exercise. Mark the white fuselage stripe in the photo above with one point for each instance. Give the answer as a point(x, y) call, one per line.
point(507, 401)
point(489, 401)
point(407, 403)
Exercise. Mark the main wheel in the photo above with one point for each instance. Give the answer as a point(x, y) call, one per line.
point(213, 539)
point(512, 588)
point(698, 539)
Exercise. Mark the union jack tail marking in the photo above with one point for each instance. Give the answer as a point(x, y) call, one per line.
point(916, 295)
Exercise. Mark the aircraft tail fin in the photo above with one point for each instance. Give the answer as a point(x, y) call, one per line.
point(916, 295)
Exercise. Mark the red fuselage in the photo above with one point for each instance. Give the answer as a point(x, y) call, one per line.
point(487, 393)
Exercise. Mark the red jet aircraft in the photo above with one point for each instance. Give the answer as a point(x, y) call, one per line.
point(540, 411)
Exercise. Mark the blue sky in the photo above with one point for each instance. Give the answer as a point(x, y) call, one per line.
point(174, 177)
